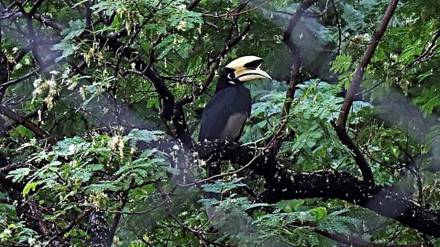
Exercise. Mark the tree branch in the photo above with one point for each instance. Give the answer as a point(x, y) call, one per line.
point(74, 222)
point(215, 62)
point(277, 139)
point(360, 70)
point(118, 216)
point(358, 156)
point(6, 84)
point(347, 240)
point(355, 84)
point(284, 185)
point(428, 51)
point(169, 110)
point(28, 209)
point(23, 121)
point(99, 229)
point(193, 4)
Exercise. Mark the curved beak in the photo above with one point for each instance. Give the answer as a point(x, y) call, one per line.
point(247, 68)
point(251, 74)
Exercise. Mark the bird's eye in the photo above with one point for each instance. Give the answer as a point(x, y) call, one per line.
point(231, 75)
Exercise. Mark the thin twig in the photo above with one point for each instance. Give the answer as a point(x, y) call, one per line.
point(338, 24)
point(295, 71)
point(360, 70)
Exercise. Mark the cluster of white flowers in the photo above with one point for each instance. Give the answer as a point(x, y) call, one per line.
point(181, 26)
point(117, 143)
point(48, 87)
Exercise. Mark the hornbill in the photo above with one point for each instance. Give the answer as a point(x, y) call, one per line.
point(225, 114)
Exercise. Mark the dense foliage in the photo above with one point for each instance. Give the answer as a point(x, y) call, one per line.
point(101, 102)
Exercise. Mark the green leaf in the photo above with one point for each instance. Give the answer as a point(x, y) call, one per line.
point(102, 187)
point(31, 186)
point(222, 187)
point(429, 99)
point(19, 174)
point(319, 213)
point(290, 205)
point(145, 135)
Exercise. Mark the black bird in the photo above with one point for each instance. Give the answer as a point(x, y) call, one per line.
point(225, 114)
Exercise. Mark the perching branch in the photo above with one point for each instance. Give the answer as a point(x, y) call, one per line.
point(281, 184)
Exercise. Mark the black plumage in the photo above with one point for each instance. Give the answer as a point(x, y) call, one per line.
point(225, 114)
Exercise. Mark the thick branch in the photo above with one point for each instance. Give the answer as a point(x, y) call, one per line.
point(169, 110)
point(99, 229)
point(283, 185)
point(382, 200)
point(23, 121)
point(358, 156)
